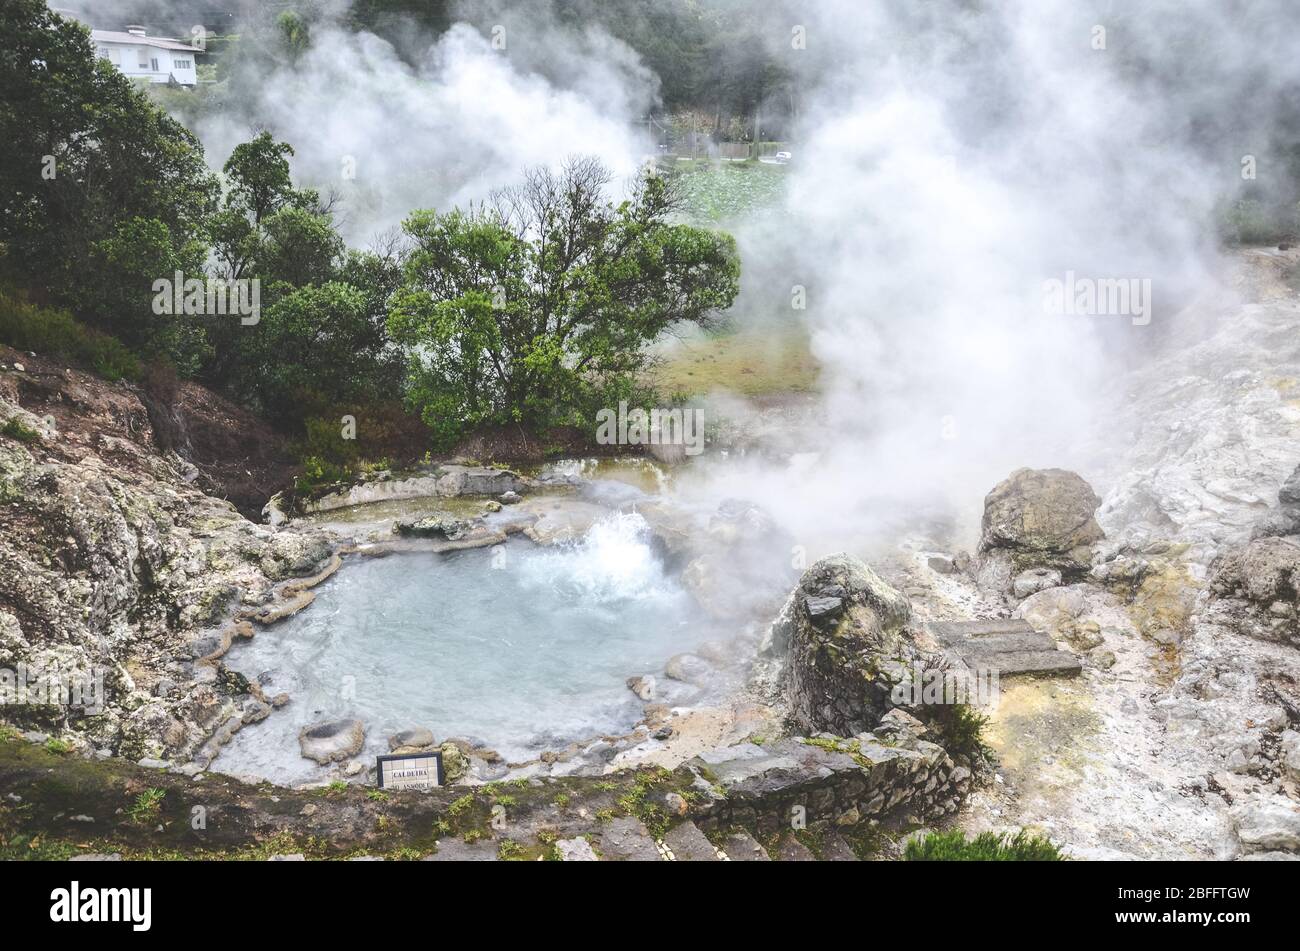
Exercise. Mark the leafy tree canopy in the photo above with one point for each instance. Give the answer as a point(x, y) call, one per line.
point(93, 177)
point(538, 305)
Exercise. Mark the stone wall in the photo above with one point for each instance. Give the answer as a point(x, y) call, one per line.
point(886, 775)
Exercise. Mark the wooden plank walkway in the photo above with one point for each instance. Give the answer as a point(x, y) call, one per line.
point(1011, 646)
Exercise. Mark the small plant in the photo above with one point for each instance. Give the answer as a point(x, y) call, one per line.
point(952, 846)
point(510, 850)
point(53, 745)
point(377, 795)
point(14, 429)
point(460, 805)
point(962, 728)
point(562, 800)
point(147, 806)
point(336, 788)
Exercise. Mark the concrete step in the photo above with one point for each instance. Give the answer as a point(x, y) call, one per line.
point(1009, 643)
point(688, 844)
point(456, 850)
point(740, 846)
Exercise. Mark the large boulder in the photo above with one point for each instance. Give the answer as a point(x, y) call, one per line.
point(843, 634)
point(1264, 571)
point(1038, 519)
point(1256, 589)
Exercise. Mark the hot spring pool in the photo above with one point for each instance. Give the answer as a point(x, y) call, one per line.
point(520, 647)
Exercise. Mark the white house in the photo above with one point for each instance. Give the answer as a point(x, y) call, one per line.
point(156, 58)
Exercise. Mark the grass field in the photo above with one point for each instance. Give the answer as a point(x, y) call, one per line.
point(750, 362)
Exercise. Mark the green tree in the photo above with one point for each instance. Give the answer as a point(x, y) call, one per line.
point(295, 35)
point(298, 247)
point(314, 345)
point(537, 306)
point(259, 178)
point(122, 270)
point(93, 177)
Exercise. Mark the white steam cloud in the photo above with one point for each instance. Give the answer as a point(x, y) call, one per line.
point(955, 157)
point(951, 157)
point(389, 136)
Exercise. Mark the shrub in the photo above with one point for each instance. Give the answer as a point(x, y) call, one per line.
point(14, 429)
point(953, 846)
point(54, 333)
point(318, 472)
point(961, 729)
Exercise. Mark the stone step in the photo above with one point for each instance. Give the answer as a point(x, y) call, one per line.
point(740, 846)
point(835, 849)
point(1010, 646)
point(959, 631)
point(456, 850)
point(626, 840)
point(1008, 643)
point(1013, 663)
point(688, 844)
point(790, 849)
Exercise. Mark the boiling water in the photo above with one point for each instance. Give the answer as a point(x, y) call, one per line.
point(523, 648)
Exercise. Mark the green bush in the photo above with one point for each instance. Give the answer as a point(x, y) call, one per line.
point(318, 472)
point(54, 333)
point(953, 846)
point(14, 429)
point(961, 729)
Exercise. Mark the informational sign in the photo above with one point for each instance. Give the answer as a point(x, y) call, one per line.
point(412, 771)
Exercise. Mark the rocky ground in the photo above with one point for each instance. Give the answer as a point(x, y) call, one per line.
point(1179, 739)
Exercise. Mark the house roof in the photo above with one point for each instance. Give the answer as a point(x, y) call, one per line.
point(135, 39)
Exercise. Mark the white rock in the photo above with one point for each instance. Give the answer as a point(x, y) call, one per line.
point(1291, 753)
point(1267, 825)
